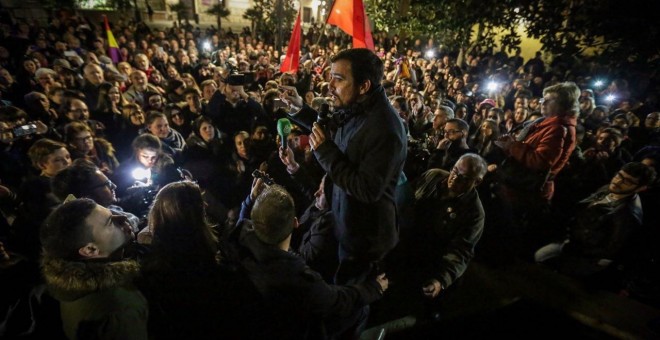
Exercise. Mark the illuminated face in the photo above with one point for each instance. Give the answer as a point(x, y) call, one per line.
point(486, 130)
point(94, 74)
point(320, 201)
point(159, 127)
point(520, 115)
point(114, 95)
point(44, 102)
point(45, 80)
point(240, 144)
point(78, 110)
point(462, 178)
point(652, 120)
point(521, 102)
point(208, 91)
point(30, 66)
point(109, 232)
point(102, 190)
point(439, 119)
point(136, 116)
point(549, 106)
point(83, 141)
point(147, 157)
point(56, 161)
point(139, 80)
point(453, 132)
point(206, 131)
point(623, 183)
point(142, 62)
point(343, 89)
point(156, 102)
point(193, 101)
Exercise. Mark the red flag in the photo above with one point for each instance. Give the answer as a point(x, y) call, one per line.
point(349, 15)
point(290, 63)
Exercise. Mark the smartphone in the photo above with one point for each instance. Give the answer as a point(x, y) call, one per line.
point(70, 54)
point(24, 130)
point(279, 104)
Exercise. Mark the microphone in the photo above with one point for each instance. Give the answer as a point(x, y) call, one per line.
point(283, 129)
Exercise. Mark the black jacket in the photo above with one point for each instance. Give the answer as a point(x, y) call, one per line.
point(364, 162)
point(296, 302)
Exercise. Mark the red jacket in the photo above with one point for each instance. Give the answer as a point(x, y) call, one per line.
point(547, 146)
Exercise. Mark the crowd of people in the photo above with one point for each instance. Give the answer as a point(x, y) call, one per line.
point(163, 195)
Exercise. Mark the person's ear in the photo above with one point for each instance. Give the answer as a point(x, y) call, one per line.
point(365, 87)
point(42, 166)
point(89, 250)
point(478, 181)
point(295, 223)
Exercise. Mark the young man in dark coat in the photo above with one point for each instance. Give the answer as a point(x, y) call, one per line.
point(83, 246)
point(605, 228)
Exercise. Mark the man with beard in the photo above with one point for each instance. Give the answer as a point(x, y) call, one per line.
point(84, 269)
point(138, 91)
point(452, 146)
point(605, 226)
point(231, 109)
point(364, 161)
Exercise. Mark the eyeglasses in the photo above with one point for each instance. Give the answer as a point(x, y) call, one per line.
point(107, 183)
point(461, 178)
point(451, 132)
point(85, 138)
point(546, 100)
point(625, 180)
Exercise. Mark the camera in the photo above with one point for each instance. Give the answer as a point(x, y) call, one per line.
point(264, 177)
point(236, 79)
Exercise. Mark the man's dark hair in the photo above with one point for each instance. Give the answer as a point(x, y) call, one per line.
point(462, 125)
point(146, 141)
point(365, 65)
point(644, 173)
point(191, 90)
point(403, 104)
point(273, 215)
point(74, 180)
point(65, 231)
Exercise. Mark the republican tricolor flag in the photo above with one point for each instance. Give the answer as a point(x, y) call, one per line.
point(349, 15)
point(113, 48)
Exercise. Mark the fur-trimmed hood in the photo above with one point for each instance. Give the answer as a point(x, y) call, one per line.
point(71, 280)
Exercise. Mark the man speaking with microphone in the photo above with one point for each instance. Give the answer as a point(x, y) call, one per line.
point(364, 161)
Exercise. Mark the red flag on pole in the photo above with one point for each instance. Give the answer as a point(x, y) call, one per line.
point(349, 15)
point(292, 59)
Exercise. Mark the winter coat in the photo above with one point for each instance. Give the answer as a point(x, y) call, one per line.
point(97, 298)
point(296, 302)
point(547, 146)
point(364, 162)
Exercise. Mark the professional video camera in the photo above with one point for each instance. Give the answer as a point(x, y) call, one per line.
point(141, 194)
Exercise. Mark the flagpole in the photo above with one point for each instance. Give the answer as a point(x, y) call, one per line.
point(325, 25)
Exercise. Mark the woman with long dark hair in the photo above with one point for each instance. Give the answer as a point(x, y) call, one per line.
point(181, 277)
point(108, 108)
